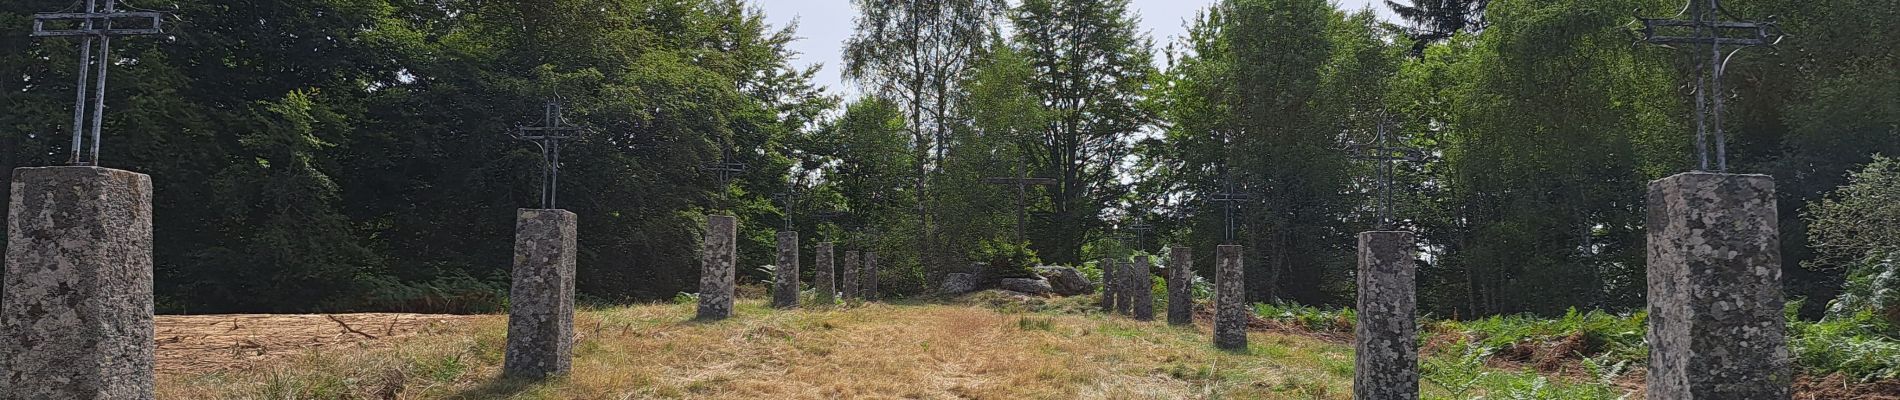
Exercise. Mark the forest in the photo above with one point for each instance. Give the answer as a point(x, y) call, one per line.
point(354, 155)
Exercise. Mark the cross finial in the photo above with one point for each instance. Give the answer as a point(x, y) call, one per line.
point(94, 23)
point(548, 137)
point(1387, 155)
point(1707, 34)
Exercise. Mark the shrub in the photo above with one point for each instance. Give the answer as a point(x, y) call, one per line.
point(1861, 346)
point(1007, 259)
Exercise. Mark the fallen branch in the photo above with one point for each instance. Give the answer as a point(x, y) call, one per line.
point(347, 327)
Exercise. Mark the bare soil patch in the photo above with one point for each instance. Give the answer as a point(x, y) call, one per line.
point(191, 344)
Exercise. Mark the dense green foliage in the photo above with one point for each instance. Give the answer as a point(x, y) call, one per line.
point(352, 155)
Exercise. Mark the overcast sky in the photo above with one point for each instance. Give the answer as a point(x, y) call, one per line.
point(823, 26)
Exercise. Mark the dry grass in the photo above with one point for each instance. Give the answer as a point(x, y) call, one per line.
point(870, 351)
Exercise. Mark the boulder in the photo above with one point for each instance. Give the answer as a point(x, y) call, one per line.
point(1033, 286)
point(959, 283)
point(1066, 281)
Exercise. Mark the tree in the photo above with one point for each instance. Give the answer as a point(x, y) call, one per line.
point(915, 52)
point(1856, 230)
point(1091, 67)
point(1438, 20)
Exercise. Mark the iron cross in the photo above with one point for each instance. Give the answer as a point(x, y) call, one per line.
point(1705, 30)
point(94, 24)
point(1022, 182)
point(548, 137)
point(724, 170)
point(1387, 155)
point(1229, 199)
point(1141, 229)
point(785, 200)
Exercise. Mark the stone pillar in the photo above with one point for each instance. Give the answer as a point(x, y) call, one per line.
point(868, 289)
point(1180, 286)
point(541, 295)
point(1141, 279)
point(1716, 328)
point(1111, 284)
point(1125, 287)
point(1386, 335)
point(76, 316)
point(785, 277)
point(716, 278)
point(826, 284)
point(851, 269)
point(1230, 299)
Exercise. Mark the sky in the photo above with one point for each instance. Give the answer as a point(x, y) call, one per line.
point(823, 26)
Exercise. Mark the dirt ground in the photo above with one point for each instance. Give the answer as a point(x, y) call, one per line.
point(190, 344)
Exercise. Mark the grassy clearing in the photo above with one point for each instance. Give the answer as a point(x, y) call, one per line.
point(870, 351)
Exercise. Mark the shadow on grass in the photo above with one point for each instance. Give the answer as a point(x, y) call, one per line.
point(502, 387)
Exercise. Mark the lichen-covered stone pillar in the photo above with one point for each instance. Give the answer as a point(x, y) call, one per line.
point(541, 295)
point(1125, 287)
point(1142, 290)
point(1230, 299)
point(76, 317)
point(1716, 328)
point(1180, 286)
point(868, 289)
point(1386, 336)
point(716, 279)
point(852, 260)
point(826, 284)
point(785, 276)
point(1111, 284)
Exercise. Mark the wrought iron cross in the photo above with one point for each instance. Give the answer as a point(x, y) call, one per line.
point(548, 137)
point(1022, 182)
point(1704, 29)
point(1387, 155)
point(94, 24)
point(1230, 199)
point(725, 169)
point(785, 199)
point(1141, 229)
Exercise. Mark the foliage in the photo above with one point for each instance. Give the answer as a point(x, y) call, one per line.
point(1603, 334)
point(1864, 346)
point(1007, 259)
point(1856, 230)
point(1308, 317)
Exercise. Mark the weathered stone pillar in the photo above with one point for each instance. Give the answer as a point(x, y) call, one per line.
point(1111, 284)
point(785, 276)
point(1142, 290)
point(868, 289)
point(541, 295)
point(1230, 299)
point(76, 317)
point(1125, 287)
point(851, 268)
point(1180, 286)
point(826, 284)
point(716, 278)
point(1386, 335)
point(1716, 328)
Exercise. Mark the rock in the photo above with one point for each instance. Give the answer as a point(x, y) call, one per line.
point(956, 283)
point(1065, 280)
point(1037, 286)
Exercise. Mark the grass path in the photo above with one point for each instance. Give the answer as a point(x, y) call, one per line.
point(901, 351)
